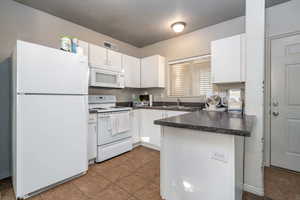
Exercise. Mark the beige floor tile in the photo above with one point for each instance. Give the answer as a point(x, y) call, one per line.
point(91, 184)
point(136, 176)
point(149, 192)
point(63, 192)
point(7, 194)
point(148, 171)
point(156, 181)
point(114, 174)
point(132, 198)
point(132, 183)
point(113, 192)
point(281, 184)
point(100, 167)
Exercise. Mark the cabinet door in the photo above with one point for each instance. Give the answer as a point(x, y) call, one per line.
point(97, 56)
point(149, 132)
point(153, 72)
point(132, 68)
point(149, 72)
point(85, 47)
point(135, 125)
point(114, 60)
point(226, 60)
point(92, 141)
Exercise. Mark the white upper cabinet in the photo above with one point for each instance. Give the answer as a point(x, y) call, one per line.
point(97, 56)
point(100, 57)
point(114, 60)
point(228, 59)
point(153, 72)
point(132, 68)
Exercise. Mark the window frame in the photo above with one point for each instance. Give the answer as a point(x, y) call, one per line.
point(169, 83)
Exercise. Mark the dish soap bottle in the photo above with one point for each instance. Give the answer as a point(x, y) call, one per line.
point(74, 45)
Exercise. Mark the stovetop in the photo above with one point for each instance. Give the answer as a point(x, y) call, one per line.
point(111, 109)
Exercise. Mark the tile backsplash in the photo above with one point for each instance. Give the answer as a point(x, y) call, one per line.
point(159, 94)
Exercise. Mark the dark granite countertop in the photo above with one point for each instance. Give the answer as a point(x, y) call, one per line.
point(171, 108)
point(92, 111)
point(184, 106)
point(210, 121)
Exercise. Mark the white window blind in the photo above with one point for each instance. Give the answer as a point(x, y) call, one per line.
point(205, 80)
point(191, 78)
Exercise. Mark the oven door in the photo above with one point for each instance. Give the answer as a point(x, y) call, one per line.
point(103, 78)
point(113, 126)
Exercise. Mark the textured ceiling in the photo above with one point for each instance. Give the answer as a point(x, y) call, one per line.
point(143, 22)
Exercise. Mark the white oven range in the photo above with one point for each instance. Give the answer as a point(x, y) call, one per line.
point(113, 127)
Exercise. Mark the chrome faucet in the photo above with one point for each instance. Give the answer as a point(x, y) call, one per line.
point(178, 102)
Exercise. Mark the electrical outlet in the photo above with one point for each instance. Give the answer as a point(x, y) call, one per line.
point(219, 157)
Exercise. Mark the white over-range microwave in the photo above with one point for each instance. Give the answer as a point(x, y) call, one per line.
point(106, 78)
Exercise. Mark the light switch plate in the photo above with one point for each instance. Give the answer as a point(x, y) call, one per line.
point(222, 157)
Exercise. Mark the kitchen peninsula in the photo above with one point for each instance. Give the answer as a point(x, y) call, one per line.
point(202, 151)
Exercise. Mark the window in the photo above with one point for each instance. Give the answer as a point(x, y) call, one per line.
point(191, 78)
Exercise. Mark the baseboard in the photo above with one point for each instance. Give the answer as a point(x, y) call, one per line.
point(254, 190)
point(137, 144)
point(267, 164)
point(150, 146)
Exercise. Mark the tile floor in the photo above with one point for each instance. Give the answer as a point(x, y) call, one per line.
point(135, 176)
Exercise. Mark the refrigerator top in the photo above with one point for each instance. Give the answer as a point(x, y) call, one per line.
point(43, 70)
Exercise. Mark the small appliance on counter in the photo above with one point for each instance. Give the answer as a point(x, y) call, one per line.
point(215, 102)
point(143, 100)
point(235, 100)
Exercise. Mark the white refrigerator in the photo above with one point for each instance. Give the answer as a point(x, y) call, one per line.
point(50, 117)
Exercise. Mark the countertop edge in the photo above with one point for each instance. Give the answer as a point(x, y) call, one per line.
point(195, 123)
point(204, 128)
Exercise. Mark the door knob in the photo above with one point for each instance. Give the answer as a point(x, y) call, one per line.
point(275, 114)
point(275, 104)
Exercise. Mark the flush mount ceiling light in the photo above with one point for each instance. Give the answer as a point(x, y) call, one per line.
point(178, 27)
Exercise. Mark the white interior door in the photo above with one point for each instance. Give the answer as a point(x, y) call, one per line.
point(285, 103)
point(51, 139)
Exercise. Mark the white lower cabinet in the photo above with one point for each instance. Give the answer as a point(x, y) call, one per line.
point(135, 126)
point(92, 137)
point(150, 133)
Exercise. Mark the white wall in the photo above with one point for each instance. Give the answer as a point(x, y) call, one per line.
point(283, 18)
point(18, 21)
point(255, 67)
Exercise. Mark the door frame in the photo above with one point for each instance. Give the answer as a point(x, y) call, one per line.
point(267, 109)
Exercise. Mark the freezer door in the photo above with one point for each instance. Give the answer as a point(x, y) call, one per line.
point(45, 70)
point(51, 140)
